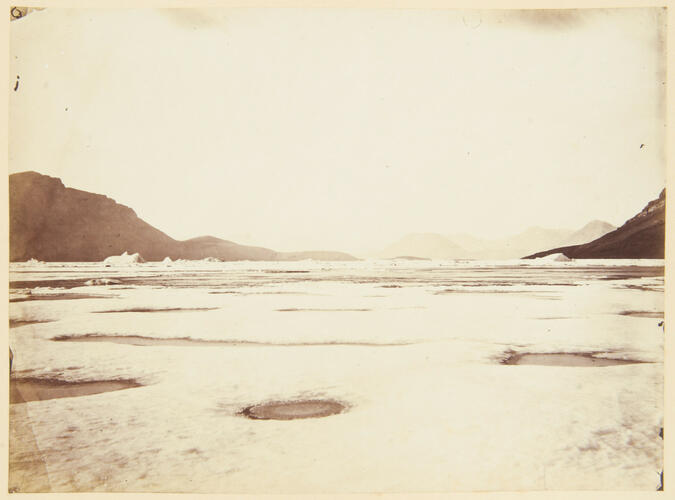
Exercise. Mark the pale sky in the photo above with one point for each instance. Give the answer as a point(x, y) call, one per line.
point(345, 129)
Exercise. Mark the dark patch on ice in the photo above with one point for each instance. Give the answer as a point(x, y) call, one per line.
point(283, 271)
point(466, 289)
point(232, 292)
point(604, 432)
point(642, 314)
point(64, 283)
point(291, 410)
point(27, 389)
point(60, 296)
point(475, 284)
point(284, 293)
point(632, 272)
point(644, 288)
point(589, 447)
point(618, 277)
point(159, 309)
point(578, 359)
point(390, 286)
point(15, 323)
point(139, 340)
point(293, 309)
point(536, 283)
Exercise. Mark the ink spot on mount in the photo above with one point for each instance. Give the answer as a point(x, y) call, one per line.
point(16, 85)
point(16, 13)
point(19, 12)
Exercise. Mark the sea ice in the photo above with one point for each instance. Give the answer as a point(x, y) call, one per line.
point(413, 352)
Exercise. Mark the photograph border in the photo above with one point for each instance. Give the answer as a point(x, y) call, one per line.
point(669, 367)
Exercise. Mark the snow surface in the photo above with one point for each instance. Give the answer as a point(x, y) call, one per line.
point(437, 413)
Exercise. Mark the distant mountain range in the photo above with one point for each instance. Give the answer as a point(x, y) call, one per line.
point(591, 231)
point(642, 237)
point(50, 222)
point(423, 245)
point(464, 246)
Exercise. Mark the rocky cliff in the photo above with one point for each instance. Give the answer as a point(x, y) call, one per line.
point(50, 222)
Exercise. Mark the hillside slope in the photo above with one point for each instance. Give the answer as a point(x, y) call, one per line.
point(642, 237)
point(53, 223)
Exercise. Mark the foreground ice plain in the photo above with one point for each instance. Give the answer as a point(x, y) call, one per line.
point(412, 348)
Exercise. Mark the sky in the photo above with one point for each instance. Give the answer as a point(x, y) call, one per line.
point(300, 129)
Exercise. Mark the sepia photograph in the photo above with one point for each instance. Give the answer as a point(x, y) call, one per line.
point(336, 250)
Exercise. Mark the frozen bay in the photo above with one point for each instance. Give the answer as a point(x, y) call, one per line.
point(415, 351)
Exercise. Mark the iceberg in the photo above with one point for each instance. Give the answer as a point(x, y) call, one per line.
point(123, 259)
point(555, 257)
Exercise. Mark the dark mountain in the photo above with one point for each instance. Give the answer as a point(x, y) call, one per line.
point(50, 222)
point(210, 246)
point(642, 237)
